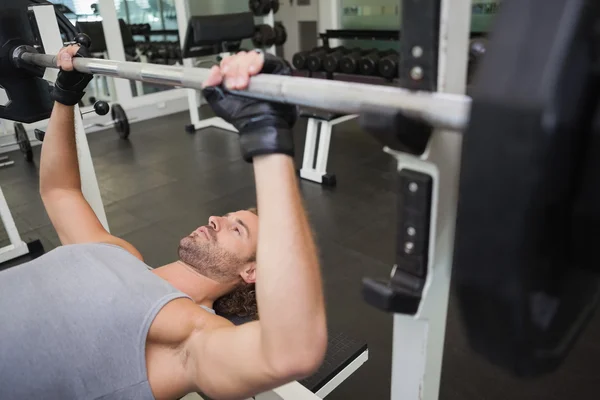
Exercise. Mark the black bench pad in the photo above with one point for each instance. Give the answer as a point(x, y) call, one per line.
point(319, 114)
point(341, 351)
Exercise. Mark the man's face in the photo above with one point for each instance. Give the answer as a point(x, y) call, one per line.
point(225, 249)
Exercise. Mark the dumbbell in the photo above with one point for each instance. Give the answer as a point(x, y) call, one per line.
point(21, 138)
point(261, 8)
point(389, 66)
point(280, 34)
point(316, 60)
point(349, 62)
point(119, 120)
point(264, 36)
point(300, 59)
point(368, 64)
point(332, 60)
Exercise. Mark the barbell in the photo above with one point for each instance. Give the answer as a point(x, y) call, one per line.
point(442, 110)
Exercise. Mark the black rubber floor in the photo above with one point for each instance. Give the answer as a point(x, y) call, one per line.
point(163, 183)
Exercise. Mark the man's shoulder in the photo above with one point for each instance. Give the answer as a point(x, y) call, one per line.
point(181, 318)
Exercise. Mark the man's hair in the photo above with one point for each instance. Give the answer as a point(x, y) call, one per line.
point(239, 303)
point(242, 301)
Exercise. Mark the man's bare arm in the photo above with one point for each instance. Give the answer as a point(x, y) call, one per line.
point(60, 186)
point(60, 182)
point(290, 339)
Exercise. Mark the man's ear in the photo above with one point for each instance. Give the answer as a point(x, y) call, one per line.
point(249, 272)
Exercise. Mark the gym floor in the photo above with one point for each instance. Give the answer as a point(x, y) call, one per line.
point(164, 183)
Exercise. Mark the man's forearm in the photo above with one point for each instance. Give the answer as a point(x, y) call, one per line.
point(289, 287)
point(59, 166)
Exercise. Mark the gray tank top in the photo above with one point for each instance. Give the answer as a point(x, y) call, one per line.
point(73, 325)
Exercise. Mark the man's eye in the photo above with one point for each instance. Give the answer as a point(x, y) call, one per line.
point(237, 230)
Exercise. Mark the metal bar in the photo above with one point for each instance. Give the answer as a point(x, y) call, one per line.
point(162, 17)
point(441, 110)
point(127, 12)
point(9, 222)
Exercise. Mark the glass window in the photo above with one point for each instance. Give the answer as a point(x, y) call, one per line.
point(160, 14)
point(82, 10)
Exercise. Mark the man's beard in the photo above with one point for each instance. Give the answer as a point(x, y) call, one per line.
point(208, 259)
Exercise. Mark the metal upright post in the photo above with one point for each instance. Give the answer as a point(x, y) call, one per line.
point(419, 339)
point(50, 34)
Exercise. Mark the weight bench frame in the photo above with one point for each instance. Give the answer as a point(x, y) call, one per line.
point(17, 247)
point(316, 151)
point(296, 391)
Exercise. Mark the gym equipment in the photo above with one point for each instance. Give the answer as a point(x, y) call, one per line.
point(369, 64)
point(21, 82)
point(23, 141)
point(332, 60)
point(264, 36)
point(5, 162)
point(529, 206)
point(349, 63)
point(389, 66)
point(212, 35)
point(300, 59)
point(544, 228)
point(449, 111)
point(260, 8)
point(316, 147)
point(17, 247)
point(207, 33)
point(316, 59)
point(119, 121)
point(280, 34)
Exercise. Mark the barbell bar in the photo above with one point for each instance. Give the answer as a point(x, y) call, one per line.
point(441, 110)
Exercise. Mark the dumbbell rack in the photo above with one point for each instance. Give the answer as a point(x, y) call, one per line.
point(320, 125)
point(356, 34)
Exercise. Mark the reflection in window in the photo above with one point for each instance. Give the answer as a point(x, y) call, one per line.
point(159, 14)
point(81, 10)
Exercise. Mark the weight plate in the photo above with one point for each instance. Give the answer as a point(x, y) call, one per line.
point(23, 142)
point(275, 6)
point(260, 7)
point(280, 34)
point(121, 121)
point(264, 36)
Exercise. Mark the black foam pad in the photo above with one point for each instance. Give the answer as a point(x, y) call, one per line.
point(206, 30)
point(95, 31)
point(341, 351)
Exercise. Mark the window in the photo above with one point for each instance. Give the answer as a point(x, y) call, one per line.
point(160, 14)
point(83, 10)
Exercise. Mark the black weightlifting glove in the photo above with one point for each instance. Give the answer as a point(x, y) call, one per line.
point(264, 127)
point(70, 85)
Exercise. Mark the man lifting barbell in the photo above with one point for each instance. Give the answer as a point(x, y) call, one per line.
point(90, 320)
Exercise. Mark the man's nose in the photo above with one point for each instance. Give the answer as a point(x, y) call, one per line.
point(214, 223)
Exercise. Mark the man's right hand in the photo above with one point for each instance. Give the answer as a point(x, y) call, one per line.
point(70, 85)
point(264, 127)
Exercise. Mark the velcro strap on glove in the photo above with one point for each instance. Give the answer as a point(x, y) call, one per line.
point(267, 140)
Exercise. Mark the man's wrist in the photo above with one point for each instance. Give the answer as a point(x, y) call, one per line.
point(267, 140)
point(274, 164)
point(59, 106)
